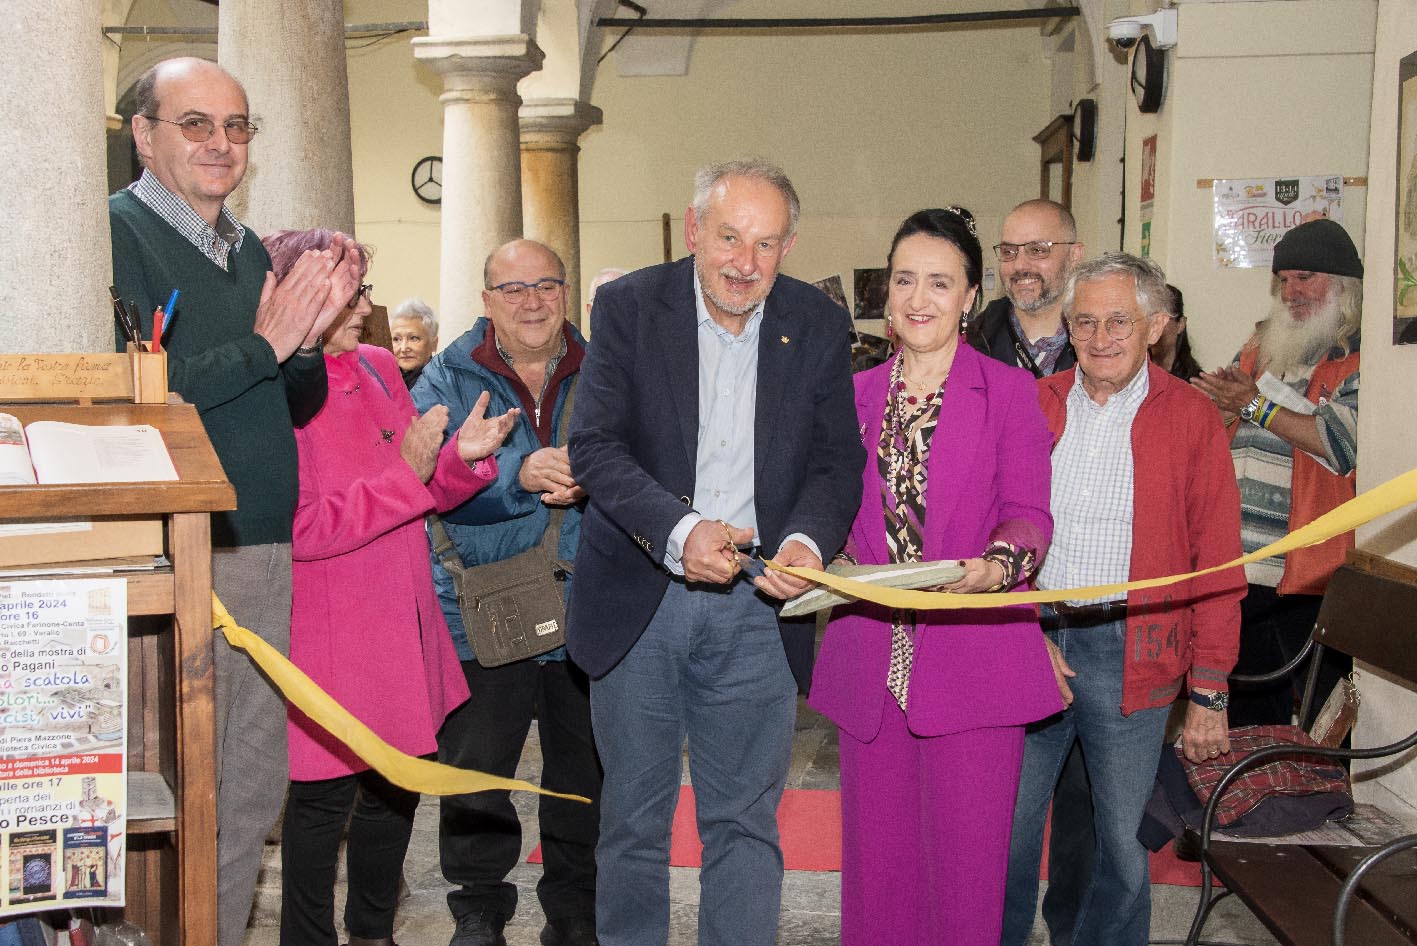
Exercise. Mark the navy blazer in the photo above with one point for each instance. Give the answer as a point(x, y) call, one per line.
point(634, 447)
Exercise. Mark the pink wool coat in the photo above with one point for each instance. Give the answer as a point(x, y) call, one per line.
point(365, 622)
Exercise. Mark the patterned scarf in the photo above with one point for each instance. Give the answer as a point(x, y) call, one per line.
point(902, 460)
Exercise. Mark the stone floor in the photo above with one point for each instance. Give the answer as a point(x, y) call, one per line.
point(810, 901)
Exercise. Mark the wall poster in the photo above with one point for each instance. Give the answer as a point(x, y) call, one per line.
point(63, 743)
point(1251, 215)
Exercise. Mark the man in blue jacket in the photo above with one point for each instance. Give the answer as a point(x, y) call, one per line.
point(526, 355)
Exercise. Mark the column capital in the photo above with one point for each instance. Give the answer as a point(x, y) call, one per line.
point(489, 65)
point(555, 123)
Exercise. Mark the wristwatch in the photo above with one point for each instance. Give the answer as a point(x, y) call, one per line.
point(1212, 701)
point(1248, 411)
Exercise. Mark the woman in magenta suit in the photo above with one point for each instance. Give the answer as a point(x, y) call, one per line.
point(931, 706)
point(365, 621)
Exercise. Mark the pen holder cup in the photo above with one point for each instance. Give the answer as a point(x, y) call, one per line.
point(149, 376)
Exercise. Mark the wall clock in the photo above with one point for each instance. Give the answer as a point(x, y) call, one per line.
point(1148, 76)
point(427, 179)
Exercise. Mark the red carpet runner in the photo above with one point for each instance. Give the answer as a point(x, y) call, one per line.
point(810, 824)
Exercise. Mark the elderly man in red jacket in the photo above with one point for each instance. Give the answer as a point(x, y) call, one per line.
point(1142, 487)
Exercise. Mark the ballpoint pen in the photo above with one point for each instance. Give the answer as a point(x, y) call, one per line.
point(137, 326)
point(160, 318)
point(120, 315)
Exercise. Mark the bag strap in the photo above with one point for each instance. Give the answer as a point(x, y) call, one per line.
point(443, 544)
point(551, 538)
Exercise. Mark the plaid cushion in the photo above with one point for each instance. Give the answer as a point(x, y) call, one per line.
point(1286, 775)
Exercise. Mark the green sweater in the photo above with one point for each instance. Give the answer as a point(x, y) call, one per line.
point(218, 364)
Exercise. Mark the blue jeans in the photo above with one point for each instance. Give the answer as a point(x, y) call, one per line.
point(710, 667)
point(1120, 753)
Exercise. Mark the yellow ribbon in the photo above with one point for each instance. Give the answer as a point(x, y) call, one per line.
point(1378, 501)
point(405, 771)
point(433, 778)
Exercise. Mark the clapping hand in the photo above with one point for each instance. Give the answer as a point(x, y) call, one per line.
point(479, 435)
point(344, 278)
point(288, 308)
point(423, 440)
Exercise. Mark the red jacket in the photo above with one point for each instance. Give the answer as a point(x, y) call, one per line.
point(1186, 516)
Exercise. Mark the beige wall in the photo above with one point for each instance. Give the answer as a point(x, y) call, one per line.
point(1277, 88)
point(395, 119)
point(870, 126)
point(1386, 446)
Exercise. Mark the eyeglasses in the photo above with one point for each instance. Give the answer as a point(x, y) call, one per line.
point(517, 292)
point(1119, 327)
point(365, 290)
point(238, 130)
point(1035, 249)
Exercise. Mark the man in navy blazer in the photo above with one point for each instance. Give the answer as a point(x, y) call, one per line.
point(714, 418)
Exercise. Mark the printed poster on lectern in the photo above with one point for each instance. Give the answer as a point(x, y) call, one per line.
point(63, 743)
point(1252, 215)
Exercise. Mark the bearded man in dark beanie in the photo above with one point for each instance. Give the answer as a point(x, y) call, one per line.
point(1290, 399)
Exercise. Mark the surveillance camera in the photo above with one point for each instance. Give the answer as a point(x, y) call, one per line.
point(1125, 32)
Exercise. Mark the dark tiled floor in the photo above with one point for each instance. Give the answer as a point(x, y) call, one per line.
point(810, 900)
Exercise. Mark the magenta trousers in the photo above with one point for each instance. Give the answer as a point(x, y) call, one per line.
point(925, 827)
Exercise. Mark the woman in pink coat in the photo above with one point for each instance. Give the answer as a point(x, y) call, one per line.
point(365, 622)
point(931, 706)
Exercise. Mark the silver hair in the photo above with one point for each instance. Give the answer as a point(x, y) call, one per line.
point(414, 308)
point(764, 170)
point(1150, 280)
point(608, 274)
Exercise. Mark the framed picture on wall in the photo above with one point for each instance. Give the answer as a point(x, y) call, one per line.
point(1404, 328)
point(869, 289)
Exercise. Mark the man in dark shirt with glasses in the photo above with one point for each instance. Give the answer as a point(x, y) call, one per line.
point(1038, 248)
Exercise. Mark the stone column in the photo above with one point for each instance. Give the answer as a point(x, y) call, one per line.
point(551, 209)
point(482, 200)
point(55, 255)
point(301, 170)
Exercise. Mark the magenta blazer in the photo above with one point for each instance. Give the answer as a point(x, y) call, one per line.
point(365, 622)
point(989, 479)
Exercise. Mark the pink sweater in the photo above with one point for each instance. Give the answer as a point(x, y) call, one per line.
point(365, 622)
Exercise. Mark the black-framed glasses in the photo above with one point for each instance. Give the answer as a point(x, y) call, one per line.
point(1034, 249)
point(517, 292)
point(197, 128)
point(1119, 327)
point(366, 290)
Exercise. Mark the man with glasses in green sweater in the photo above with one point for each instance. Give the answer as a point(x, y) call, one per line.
point(246, 351)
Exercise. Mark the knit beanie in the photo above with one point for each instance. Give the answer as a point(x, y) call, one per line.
point(1319, 246)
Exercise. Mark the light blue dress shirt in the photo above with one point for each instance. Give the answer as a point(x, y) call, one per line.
point(728, 398)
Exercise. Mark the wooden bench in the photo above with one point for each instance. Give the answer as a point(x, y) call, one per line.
point(1312, 895)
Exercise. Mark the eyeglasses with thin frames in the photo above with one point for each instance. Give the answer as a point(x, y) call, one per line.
point(1034, 249)
point(199, 129)
point(1119, 327)
point(516, 292)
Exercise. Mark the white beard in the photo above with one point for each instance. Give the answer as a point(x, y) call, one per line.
point(1287, 343)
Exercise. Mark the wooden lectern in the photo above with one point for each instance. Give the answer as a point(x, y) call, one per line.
point(171, 849)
